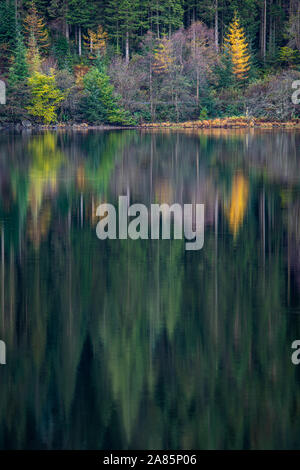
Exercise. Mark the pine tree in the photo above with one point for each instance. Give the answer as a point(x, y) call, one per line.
point(7, 22)
point(124, 21)
point(58, 10)
point(237, 47)
point(100, 104)
point(80, 14)
point(18, 72)
point(7, 33)
point(166, 16)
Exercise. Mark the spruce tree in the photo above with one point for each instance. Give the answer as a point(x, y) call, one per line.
point(100, 104)
point(18, 72)
point(80, 14)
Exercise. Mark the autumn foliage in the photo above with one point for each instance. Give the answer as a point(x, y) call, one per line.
point(237, 47)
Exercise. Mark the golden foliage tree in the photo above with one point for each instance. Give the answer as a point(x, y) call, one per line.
point(96, 41)
point(80, 71)
point(35, 28)
point(237, 46)
point(33, 56)
point(45, 97)
point(163, 57)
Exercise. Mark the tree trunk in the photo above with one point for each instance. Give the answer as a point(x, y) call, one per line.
point(79, 40)
point(263, 30)
point(216, 26)
point(157, 19)
point(127, 48)
point(150, 90)
point(67, 31)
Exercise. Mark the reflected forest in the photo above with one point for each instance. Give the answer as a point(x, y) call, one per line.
point(141, 344)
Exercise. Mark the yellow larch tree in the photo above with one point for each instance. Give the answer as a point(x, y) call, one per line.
point(33, 55)
point(35, 28)
point(237, 47)
point(163, 57)
point(96, 41)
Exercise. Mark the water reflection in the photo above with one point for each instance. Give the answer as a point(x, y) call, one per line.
point(140, 344)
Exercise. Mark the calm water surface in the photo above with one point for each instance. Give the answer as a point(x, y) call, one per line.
point(141, 344)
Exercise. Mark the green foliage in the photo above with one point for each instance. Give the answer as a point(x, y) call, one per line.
point(203, 114)
point(288, 56)
point(197, 76)
point(7, 22)
point(45, 97)
point(100, 104)
point(62, 53)
point(18, 72)
point(80, 12)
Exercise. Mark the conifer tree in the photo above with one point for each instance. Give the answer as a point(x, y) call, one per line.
point(100, 103)
point(237, 47)
point(80, 14)
point(35, 28)
point(124, 21)
point(95, 41)
point(163, 58)
point(18, 72)
point(7, 22)
point(33, 55)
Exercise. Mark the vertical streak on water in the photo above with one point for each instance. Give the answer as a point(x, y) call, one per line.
point(11, 285)
point(263, 228)
point(216, 267)
point(289, 268)
point(81, 210)
point(2, 279)
point(151, 167)
point(70, 272)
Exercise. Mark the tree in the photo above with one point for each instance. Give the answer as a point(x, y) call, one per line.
point(163, 57)
point(35, 29)
point(124, 20)
point(202, 52)
point(58, 11)
point(7, 22)
point(100, 104)
point(96, 42)
point(166, 16)
point(7, 32)
point(18, 72)
point(33, 55)
point(294, 24)
point(45, 97)
point(237, 47)
point(80, 14)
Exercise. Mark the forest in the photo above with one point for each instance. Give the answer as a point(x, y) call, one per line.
point(127, 62)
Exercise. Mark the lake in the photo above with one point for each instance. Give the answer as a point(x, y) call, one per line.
point(123, 344)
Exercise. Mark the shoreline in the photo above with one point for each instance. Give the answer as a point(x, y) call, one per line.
point(226, 123)
point(217, 123)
